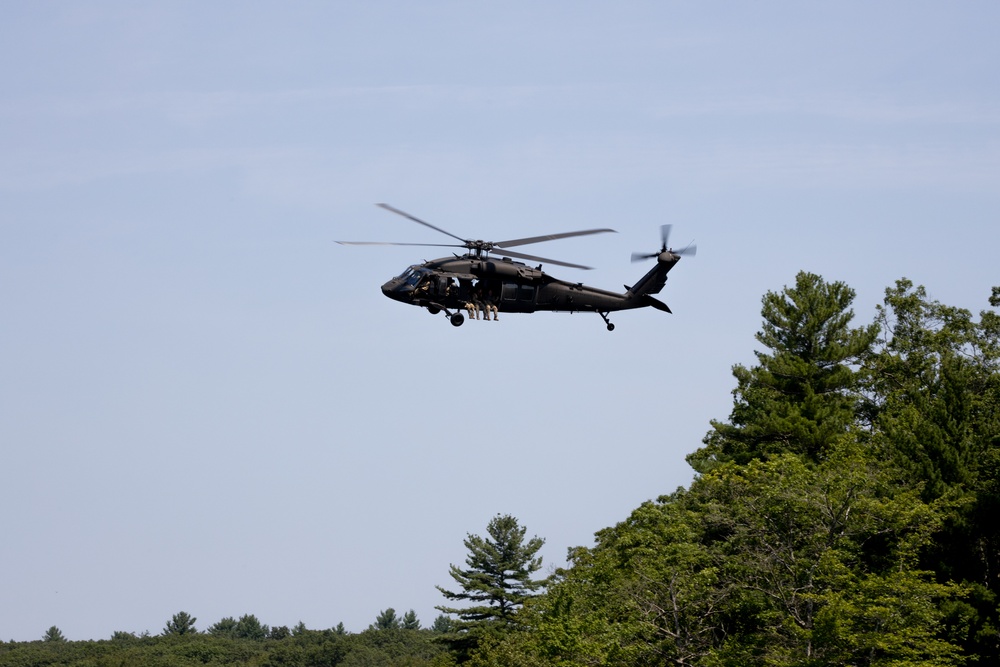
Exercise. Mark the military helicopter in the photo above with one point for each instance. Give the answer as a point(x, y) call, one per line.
point(477, 282)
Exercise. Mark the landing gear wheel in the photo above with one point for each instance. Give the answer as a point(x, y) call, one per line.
point(611, 327)
point(457, 319)
point(604, 316)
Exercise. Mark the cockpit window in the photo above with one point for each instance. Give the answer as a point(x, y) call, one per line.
point(412, 276)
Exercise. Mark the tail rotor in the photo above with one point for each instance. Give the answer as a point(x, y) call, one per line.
point(690, 250)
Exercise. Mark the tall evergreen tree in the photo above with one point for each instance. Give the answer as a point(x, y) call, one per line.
point(497, 582)
point(249, 627)
point(386, 620)
point(802, 394)
point(182, 623)
point(225, 627)
point(410, 621)
point(53, 634)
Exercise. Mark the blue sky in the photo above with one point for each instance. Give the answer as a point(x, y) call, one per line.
point(207, 405)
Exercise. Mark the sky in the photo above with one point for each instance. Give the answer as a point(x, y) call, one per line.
point(207, 405)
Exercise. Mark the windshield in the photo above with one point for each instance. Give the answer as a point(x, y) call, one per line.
point(412, 276)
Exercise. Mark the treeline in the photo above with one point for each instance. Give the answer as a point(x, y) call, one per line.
point(844, 514)
point(390, 640)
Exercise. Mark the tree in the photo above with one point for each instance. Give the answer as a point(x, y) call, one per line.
point(386, 620)
point(442, 624)
point(498, 581)
point(765, 563)
point(53, 634)
point(803, 394)
point(934, 411)
point(410, 621)
point(181, 623)
point(248, 627)
point(226, 627)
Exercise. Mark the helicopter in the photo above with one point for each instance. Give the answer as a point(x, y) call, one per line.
point(486, 279)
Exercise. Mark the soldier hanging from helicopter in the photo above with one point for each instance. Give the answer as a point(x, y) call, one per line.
point(491, 307)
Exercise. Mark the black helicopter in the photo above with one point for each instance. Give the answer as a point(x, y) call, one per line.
point(478, 283)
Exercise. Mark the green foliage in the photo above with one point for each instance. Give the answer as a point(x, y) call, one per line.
point(443, 624)
point(801, 397)
point(224, 628)
point(305, 648)
point(497, 581)
point(386, 620)
point(410, 621)
point(844, 515)
point(122, 636)
point(776, 562)
point(181, 623)
point(395, 646)
point(247, 627)
point(935, 389)
point(934, 411)
point(53, 634)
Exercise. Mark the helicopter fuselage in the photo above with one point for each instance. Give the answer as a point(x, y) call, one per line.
point(452, 283)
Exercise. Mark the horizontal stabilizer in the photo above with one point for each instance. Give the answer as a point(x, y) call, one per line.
point(655, 303)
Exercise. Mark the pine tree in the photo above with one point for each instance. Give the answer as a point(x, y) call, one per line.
point(249, 627)
point(225, 627)
point(803, 394)
point(497, 582)
point(410, 621)
point(181, 623)
point(386, 620)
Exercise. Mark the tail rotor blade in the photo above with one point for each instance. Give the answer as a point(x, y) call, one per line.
point(665, 235)
point(690, 250)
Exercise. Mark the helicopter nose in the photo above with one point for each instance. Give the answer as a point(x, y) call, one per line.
point(392, 290)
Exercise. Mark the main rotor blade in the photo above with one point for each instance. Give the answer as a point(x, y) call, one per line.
point(511, 253)
point(418, 220)
point(550, 237)
point(435, 245)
